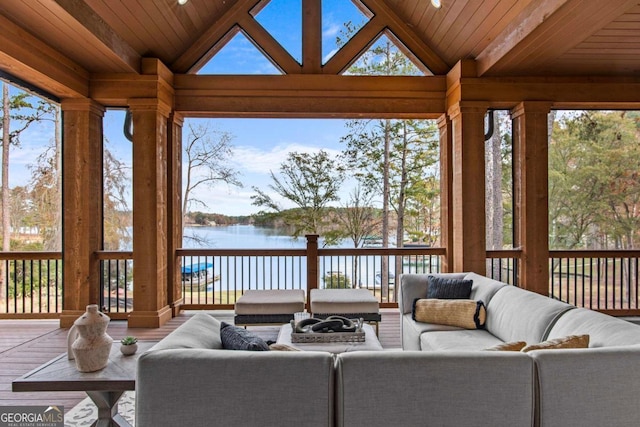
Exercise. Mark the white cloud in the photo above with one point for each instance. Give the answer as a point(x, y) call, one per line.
point(258, 160)
point(332, 30)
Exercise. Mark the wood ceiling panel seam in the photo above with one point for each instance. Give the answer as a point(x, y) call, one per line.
point(81, 43)
point(154, 28)
point(502, 17)
point(561, 31)
point(446, 22)
point(430, 20)
point(161, 24)
point(475, 28)
point(174, 22)
point(133, 37)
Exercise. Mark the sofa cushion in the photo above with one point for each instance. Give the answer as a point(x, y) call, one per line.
point(465, 313)
point(448, 288)
point(603, 330)
point(200, 331)
point(515, 314)
point(572, 341)
point(508, 346)
point(236, 338)
point(462, 340)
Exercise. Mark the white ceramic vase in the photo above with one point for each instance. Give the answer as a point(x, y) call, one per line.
point(92, 346)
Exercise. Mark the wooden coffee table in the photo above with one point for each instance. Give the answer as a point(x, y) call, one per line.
point(104, 387)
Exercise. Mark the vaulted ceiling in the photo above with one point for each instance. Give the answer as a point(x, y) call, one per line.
point(505, 37)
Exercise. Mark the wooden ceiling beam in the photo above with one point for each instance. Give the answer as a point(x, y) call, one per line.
point(356, 46)
point(35, 62)
point(566, 22)
point(112, 44)
point(407, 36)
point(310, 95)
point(269, 46)
point(312, 36)
point(209, 43)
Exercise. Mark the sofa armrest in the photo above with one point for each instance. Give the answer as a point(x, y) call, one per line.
point(194, 387)
point(596, 386)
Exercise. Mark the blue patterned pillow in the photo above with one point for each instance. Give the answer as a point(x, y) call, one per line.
point(236, 338)
point(445, 288)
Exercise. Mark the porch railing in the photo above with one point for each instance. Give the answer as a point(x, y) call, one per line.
point(607, 281)
point(31, 284)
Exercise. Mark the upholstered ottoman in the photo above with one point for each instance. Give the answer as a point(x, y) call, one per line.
point(351, 303)
point(256, 307)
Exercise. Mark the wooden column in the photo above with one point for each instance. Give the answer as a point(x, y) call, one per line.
point(312, 265)
point(82, 205)
point(531, 193)
point(150, 204)
point(174, 213)
point(469, 240)
point(446, 191)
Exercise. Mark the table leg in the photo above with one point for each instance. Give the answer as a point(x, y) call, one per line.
point(107, 403)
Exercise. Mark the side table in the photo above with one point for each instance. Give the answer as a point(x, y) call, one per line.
point(104, 387)
point(371, 342)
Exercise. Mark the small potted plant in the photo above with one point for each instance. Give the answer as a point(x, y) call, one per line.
point(129, 345)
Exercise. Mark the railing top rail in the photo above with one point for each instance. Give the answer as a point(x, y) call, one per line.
point(595, 254)
point(505, 253)
point(114, 254)
point(241, 252)
point(27, 255)
point(381, 251)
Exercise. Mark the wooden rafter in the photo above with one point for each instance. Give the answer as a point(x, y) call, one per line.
point(208, 44)
point(407, 36)
point(32, 60)
point(312, 37)
point(269, 46)
point(568, 22)
point(112, 43)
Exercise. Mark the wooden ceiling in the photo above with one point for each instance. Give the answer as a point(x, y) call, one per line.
point(506, 37)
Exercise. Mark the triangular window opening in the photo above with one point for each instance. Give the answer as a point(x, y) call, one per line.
point(283, 20)
point(387, 56)
point(239, 56)
point(341, 20)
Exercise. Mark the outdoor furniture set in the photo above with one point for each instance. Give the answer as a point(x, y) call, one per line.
point(443, 376)
point(259, 307)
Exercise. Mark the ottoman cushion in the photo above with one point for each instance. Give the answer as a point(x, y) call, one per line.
point(336, 301)
point(270, 301)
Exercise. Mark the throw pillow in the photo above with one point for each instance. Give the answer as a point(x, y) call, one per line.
point(444, 288)
point(468, 314)
point(508, 346)
point(572, 341)
point(236, 338)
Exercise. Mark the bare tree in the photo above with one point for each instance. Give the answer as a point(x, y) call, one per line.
point(207, 153)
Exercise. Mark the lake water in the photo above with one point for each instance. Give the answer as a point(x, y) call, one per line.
point(253, 272)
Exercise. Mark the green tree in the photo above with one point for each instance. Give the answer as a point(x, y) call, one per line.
point(310, 181)
point(594, 187)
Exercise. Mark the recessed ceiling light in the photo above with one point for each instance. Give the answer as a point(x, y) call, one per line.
point(182, 2)
point(436, 3)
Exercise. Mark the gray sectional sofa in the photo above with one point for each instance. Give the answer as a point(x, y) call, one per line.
point(442, 378)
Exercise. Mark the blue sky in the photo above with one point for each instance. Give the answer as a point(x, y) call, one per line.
point(260, 145)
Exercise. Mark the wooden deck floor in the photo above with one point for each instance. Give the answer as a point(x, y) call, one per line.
point(26, 344)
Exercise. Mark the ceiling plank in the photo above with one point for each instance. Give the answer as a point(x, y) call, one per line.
point(114, 44)
point(269, 46)
point(407, 36)
point(33, 61)
point(566, 22)
point(208, 44)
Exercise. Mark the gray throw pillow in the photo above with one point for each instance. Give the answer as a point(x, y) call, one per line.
point(445, 288)
point(236, 338)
